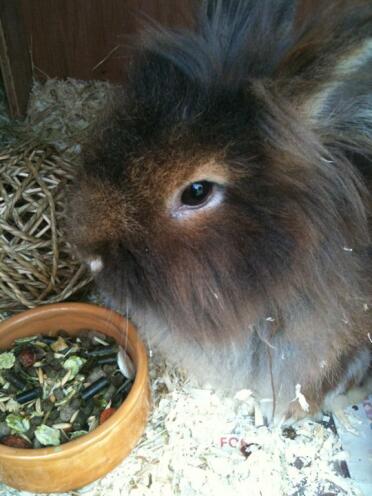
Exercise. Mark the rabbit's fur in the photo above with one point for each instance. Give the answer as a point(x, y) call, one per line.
point(267, 286)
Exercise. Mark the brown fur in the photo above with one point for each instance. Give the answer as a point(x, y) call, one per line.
point(267, 288)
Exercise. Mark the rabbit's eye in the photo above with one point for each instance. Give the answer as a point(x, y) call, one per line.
point(196, 193)
point(196, 197)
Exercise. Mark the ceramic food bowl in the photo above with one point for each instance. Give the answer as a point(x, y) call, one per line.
point(87, 458)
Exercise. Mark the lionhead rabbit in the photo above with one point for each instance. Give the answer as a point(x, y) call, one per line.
point(223, 203)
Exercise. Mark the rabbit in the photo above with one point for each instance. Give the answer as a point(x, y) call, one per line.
point(223, 202)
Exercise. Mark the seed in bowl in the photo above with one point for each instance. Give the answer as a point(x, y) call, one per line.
point(55, 389)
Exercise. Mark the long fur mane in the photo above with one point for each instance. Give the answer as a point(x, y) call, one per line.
point(278, 285)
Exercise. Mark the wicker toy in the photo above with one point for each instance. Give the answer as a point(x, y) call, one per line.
point(36, 261)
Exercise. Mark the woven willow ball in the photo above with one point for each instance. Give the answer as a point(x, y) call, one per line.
point(36, 261)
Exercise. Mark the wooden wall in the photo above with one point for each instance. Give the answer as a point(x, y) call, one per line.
point(82, 39)
point(89, 39)
point(16, 72)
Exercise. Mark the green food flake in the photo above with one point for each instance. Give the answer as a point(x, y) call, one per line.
point(12, 405)
point(27, 339)
point(17, 423)
point(40, 344)
point(59, 345)
point(74, 364)
point(7, 360)
point(101, 403)
point(47, 436)
point(75, 434)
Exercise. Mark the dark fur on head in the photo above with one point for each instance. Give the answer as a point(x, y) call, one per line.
point(266, 289)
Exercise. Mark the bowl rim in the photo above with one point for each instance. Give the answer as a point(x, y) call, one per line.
point(139, 385)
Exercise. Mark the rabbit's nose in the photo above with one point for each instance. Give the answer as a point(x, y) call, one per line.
point(95, 264)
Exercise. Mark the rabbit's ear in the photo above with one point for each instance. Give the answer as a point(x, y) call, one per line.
point(341, 113)
point(328, 74)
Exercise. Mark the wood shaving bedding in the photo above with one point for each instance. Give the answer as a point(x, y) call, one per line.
point(194, 446)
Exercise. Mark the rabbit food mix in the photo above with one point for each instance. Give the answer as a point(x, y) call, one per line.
point(55, 389)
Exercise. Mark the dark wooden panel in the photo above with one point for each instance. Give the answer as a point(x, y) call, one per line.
point(69, 38)
point(83, 39)
point(15, 60)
